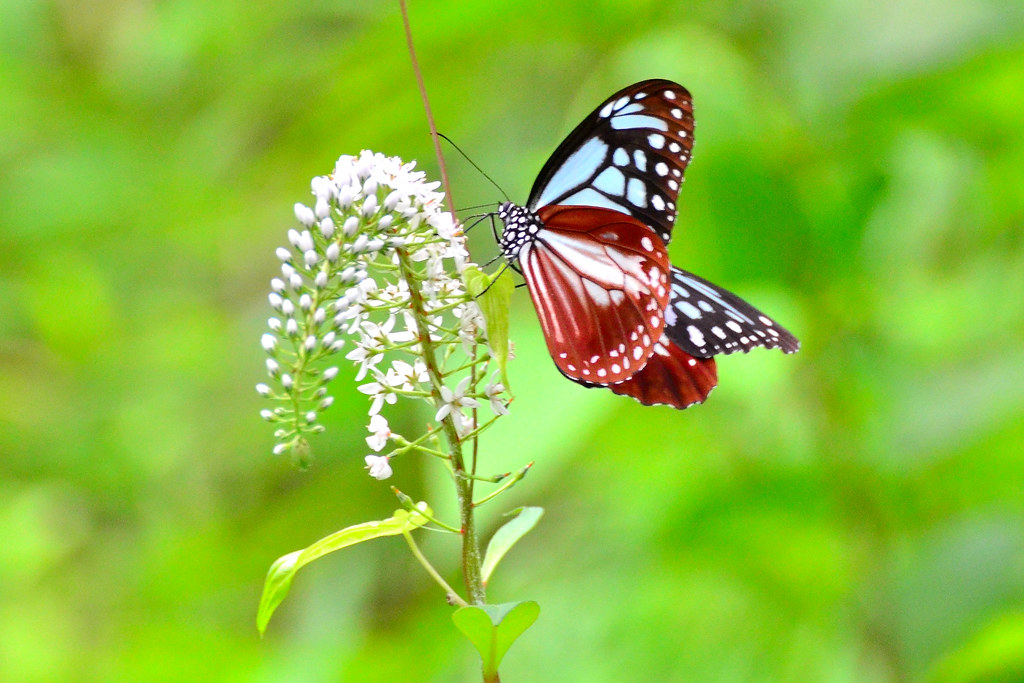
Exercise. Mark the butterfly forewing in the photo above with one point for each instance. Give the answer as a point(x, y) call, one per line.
point(706, 320)
point(599, 283)
point(629, 155)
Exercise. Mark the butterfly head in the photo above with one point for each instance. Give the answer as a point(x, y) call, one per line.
point(521, 227)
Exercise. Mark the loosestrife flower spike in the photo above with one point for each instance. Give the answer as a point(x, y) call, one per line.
point(376, 260)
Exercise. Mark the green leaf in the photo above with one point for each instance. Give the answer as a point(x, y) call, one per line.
point(494, 296)
point(279, 578)
point(493, 628)
point(504, 538)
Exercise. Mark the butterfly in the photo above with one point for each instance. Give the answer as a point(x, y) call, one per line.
point(592, 245)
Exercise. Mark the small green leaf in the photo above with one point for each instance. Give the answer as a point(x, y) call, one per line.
point(493, 628)
point(504, 538)
point(494, 296)
point(279, 578)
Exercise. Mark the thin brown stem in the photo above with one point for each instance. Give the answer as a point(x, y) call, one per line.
point(426, 108)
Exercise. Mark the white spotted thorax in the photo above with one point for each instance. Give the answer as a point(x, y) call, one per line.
point(521, 227)
point(375, 262)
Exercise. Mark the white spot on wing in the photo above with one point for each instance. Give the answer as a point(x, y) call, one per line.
point(688, 309)
point(631, 121)
point(612, 181)
point(696, 336)
point(637, 193)
point(591, 197)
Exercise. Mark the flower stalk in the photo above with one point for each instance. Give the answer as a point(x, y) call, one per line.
point(375, 267)
point(463, 485)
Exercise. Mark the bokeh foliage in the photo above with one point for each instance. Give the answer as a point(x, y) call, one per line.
point(851, 513)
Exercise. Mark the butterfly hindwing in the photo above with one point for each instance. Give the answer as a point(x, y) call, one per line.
point(599, 283)
point(671, 377)
point(628, 155)
point(706, 320)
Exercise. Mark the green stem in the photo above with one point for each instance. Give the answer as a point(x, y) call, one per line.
point(508, 483)
point(471, 558)
point(453, 597)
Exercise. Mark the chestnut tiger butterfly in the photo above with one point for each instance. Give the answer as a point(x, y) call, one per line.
point(592, 245)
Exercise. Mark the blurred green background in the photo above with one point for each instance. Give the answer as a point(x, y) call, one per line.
point(851, 513)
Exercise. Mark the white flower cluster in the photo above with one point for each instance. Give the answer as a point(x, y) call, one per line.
point(378, 260)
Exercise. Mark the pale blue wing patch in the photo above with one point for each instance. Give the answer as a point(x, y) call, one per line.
point(629, 155)
point(581, 166)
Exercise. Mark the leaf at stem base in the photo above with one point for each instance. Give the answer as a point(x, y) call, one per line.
point(493, 628)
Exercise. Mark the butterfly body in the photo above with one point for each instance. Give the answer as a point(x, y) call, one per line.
point(592, 245)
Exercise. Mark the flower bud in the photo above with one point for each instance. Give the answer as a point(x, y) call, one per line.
point(351, 226)
point(304, 214)
point(370, 206)
point(345, 197)
point(322, 208)
point(327, 228)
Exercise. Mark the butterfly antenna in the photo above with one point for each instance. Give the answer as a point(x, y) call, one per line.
point(477, 220)
point(473, 164)
point(480, 206)
point(495, 279)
